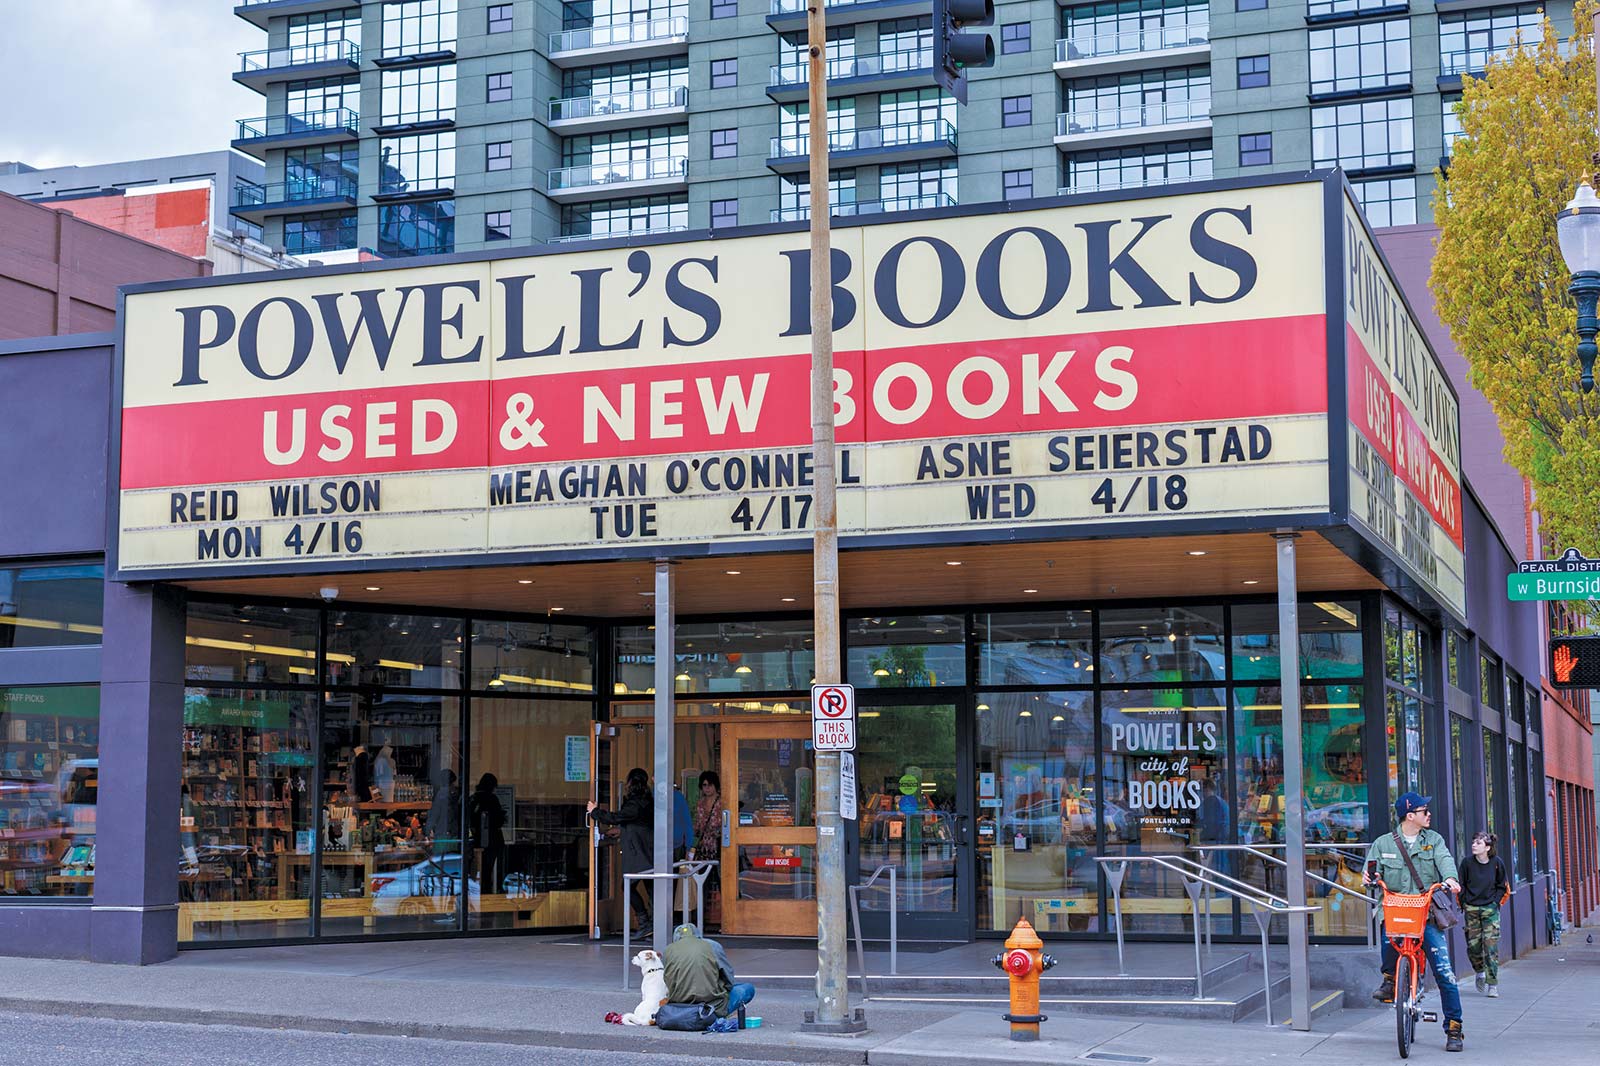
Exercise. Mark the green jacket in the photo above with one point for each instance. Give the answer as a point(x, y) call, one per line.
point(697, 971)
point(1430, 855)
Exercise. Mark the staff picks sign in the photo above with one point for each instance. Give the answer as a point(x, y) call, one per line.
point(1145, 359)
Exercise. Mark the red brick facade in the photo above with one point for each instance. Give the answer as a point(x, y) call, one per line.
point(179, 220)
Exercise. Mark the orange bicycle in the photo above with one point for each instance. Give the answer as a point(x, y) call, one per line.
point(1405, 918)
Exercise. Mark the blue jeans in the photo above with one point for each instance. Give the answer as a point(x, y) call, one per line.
point(739, 995)
point(1437, 948)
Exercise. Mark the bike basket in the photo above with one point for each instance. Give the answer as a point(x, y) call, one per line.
point(1404, 915)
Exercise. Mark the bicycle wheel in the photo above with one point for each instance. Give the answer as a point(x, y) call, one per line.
point(1403, 999)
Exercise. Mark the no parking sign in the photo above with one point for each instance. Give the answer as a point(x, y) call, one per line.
point(833, 717)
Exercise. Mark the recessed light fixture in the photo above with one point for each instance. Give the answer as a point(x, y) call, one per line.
point(247, 636)
point(742, 669)
point(524, 580)
point(983, 706)
point(1058, 718)
point(880, 672)
point(1197, 553)
point(733, 573)
point(374, 588)
point(682, 677)
point(1252, 581)
point(1024, 713)
point(952, 562)
point(554, 609)
point(1029, 592)
point(496, 683)
point(788, 599)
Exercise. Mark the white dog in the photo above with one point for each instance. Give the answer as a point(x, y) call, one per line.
point(654, 991)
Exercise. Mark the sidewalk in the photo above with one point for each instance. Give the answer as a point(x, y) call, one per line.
point(553, 991)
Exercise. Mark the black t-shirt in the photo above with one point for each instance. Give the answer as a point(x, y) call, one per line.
point(1482, 883)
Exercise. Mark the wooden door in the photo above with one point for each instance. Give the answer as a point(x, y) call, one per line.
point(769, 874)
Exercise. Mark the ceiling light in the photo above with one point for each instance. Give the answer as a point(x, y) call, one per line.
point(1197, 553)
point(1339, 611)
point(1172, 638)
point(682, 677)
point(1024, 713)
point(1252, 581)
point(1029, 591)
point(524, 580)
point(983, 706)
point(741, 669)
point(788, 599)
point(374, 588)
point(952, 562)
point(780, 708)
point(553, 609)
point(496, 683)
point(620, 688)
point(1058, 718)
point(247, 636)
point(880, 672)
point(733, 573)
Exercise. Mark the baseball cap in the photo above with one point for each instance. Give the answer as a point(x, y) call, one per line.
point(1410, 801)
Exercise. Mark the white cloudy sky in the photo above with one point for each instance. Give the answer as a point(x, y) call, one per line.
point(99, 81)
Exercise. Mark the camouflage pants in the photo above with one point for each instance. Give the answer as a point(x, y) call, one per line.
point(1483, 941)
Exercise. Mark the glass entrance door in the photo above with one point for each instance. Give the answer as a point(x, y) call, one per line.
point(915, 818)
point(769, 871)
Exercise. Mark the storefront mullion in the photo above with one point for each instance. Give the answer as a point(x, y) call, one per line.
point(319, 773)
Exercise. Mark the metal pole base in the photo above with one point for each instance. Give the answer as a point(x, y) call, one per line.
point(855, 1025)
point(1025, 1036)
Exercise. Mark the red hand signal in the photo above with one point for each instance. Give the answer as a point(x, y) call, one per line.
point(1565, 662)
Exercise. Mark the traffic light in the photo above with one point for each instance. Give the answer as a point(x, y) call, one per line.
point(954, 51)
point(1575, 662)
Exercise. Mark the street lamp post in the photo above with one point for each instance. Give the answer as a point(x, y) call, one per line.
point(1578, 231)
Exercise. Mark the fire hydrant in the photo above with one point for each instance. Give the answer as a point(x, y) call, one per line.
point(1024, 960)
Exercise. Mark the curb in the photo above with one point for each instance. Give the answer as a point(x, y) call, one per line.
point(552, 1038)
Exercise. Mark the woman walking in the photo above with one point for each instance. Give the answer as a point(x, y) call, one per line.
point(1484, 887)
point(636, 819)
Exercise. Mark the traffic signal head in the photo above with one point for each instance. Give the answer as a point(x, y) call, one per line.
point(1575, 662)
point(955, 51)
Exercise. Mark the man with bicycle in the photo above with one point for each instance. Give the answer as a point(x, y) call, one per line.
point(1430, 856)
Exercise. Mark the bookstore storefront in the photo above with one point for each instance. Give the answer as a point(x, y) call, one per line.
point(377, 610)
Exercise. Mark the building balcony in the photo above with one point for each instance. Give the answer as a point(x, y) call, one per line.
point(788, 15)
point(1165, 120)
point(904, 142)
point(619, 41)
point(336, 125)
point(643, 107)
point(259, 69)
point(1083, 188)
point(858, 208)
point(1472, 62)
point(255, 202)
point(616, 236)
point(1133, 49)
point(1337, 10)
point(627, 177)
point(257, 12)
point(878, 72)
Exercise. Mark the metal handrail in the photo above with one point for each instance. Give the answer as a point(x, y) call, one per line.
point(300, 55)
point(659, 168)
point(623, 103)
point(1374, 904)
point(868, 138)
point(698, 870)
point(616, 34)
point(894, 923)
point(853, 208)
point(648, 232)
point(627, 914)
point(1132, 116)
point(1196, 876)
point(867, 65)
point(1130, 183)
point(1130, 41)
point(309, 122)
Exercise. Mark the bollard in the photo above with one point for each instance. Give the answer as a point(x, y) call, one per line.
point(1024, 960)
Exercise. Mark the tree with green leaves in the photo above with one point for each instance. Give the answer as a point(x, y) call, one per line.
point(1499, 283)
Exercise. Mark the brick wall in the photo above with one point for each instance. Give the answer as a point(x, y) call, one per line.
point(179, 220)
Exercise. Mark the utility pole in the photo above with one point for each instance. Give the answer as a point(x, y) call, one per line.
point(832, 1013)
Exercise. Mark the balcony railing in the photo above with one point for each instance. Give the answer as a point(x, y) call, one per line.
point(856, 208)
point(300, 55)
point(797, 7)
point(1112, 184)
point(639, 101)
point(869, 138)
point(333, 120)
point(618, 34)
point(670, 168)
point(1476, 60)
point(619, 233)
point(1130, 41)
point(798, 71)
point(284, 192)
point(1132, 116)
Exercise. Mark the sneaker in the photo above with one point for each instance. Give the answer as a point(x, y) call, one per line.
point(1452, 1036)
point(1493, 992)
point(1481, 982)
point(1385, 992)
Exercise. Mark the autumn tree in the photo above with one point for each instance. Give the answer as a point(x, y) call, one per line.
point(1498, 280)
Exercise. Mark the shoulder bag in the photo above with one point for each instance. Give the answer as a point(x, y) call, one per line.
point(686, 1017)
point(1445, 909)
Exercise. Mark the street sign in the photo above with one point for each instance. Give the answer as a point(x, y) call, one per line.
point(1575, 662)
point(833, 717)
point(847, 787)
point(1571, 577)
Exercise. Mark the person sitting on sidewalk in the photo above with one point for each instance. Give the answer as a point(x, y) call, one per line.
point(1430, 855)
point(698, 971)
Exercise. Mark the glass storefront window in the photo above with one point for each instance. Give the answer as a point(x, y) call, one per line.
point(532, 657)
point(1490, 686)
point(1453, 642)
point(246, 821)
point(1458, 793)
point(1393, 739)
point(528, 850)
point(1494, 767)
point(908, 777)
point(1391, 643)
point(51, 606)
point(914, 651)
point(758, 655)
point(1330, 640)
point(249, 644)
point(1413, 742)
point(1161, 644)
point(49, 778)
point(1049, 648)
point(1037, 786)
point(411, 651)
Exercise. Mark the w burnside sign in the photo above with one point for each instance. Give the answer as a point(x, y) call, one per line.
point(1142, 361)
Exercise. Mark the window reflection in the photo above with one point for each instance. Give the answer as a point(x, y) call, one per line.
point(49, 781)
point(1155, 644)
point(906, 652)
point(756, 655)
point(51, 606)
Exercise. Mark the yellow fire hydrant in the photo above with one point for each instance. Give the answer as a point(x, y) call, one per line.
point(1024, 960)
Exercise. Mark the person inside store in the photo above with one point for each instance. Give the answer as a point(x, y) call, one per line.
point(360, 781)
point(635, 818)
point(682, 825)
point(698, 971)
point(443, 828)
point(708, 839)
point(486, 820)
point(1484, 889)
point(1427, 853)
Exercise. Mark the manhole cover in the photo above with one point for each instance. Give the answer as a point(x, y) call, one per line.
point(1111, 1056)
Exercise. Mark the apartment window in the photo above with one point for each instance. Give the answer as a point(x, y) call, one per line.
point(1016, 185)
point(724, 213)
point(323, 231)
point(1255, 72)
point(1016, 111)
point(499, 88)
point(724, 73)
point(1138, 167)
point(625, 151)
point(418, 27)
point(611, 218)
point(724, 9)
point(497, 155)
point(1144, 98)
point(424, 228)
point(320, 170)
point(1366, 55)
point(794, 195)
point(927, 184)
point(916, 106)
point(1255, 149)
point(324, 28)
point(1250, 5)
point(1374, 133)
point(1451, 120)
point(1325, 8)
point(724, 144)
point(1119, 27)
point(321, 94)
point(653, 80)
point(497, 226)
point(500, 18)
point(1388, 201)
point(794, 125)
point(418, 94)
point(1015, 37)
point(906, 44)
point(424, 163)
point(794, 56)
point(1469, 40)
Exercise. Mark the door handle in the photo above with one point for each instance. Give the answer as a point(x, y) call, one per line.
point(727, 829)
